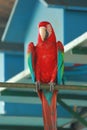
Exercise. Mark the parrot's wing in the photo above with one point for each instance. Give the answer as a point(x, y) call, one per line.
point(60, 63)
point(31, 59)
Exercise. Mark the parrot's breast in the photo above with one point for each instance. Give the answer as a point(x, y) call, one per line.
point(46, 61)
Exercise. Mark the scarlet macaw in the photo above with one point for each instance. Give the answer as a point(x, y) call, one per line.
point(46, 63)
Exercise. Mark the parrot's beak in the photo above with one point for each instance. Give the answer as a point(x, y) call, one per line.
point(43, 33)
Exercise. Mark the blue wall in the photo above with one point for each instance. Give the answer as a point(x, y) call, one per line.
point(14, 63)
point(34, 110)
point(20, 17)
point(75, 24)
point(2, 76)
point(42, 13)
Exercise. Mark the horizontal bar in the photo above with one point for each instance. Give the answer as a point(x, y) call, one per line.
point(73, 96)
point(29, 121)
point(15, 99)
point(27, 93)
point(20, 92)
point(4, 46)
point(13, 127)
point(79, 103)
point(43, 86)
point(23, 121)
point(36, 100)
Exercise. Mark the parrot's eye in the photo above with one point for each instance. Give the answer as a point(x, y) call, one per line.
point(49, 29)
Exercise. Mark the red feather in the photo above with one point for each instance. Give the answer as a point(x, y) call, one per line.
point(45, 67)
point(46, 71)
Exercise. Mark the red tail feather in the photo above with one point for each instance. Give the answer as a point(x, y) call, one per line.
point(49, 111)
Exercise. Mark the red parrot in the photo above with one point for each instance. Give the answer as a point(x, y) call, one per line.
point(46, 65)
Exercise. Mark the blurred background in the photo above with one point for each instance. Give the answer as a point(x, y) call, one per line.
point(19, 25)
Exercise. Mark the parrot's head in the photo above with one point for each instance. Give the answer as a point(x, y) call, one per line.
point(46, 32)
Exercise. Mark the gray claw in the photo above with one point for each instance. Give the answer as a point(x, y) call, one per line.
point(52, 85)
point(37, 86)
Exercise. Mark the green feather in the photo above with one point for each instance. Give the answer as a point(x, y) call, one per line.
point(31, 66)
point(60, 72)
point(48, 96)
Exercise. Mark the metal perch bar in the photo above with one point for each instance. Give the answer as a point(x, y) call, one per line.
point(43, 86)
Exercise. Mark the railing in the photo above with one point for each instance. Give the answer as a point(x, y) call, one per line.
point(14, 94)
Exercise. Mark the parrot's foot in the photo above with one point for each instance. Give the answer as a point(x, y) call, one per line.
point(52, 86)
point(37, 86)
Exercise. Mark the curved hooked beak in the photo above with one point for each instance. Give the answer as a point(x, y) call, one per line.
point(43, 33)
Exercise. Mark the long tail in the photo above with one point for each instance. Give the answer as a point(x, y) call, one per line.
point(49, 109)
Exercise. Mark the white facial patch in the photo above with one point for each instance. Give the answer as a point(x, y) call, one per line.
point(42, 31)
